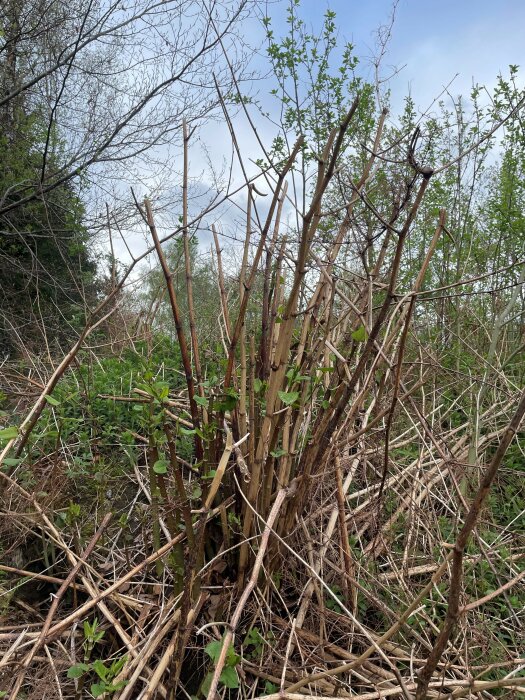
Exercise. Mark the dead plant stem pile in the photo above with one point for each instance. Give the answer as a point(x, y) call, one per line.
point(316, 552)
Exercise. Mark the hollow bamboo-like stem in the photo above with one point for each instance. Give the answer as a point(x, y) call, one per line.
point(222, 286)
point(180, 330)
point(187, 264)
point(153, 456)
point(456, 577)
point(242, 337)
point(349, 592)
point(255, 263)
point(228, 637)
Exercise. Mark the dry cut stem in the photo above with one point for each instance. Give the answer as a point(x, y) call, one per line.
point(282, 495)
point(471, 519)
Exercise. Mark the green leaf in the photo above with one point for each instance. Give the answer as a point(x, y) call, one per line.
point(232, 659)
point(146, 389)
point(117, 666)
point(78, 670)
point(206, 683)
point(9, 433)
point(278, 453)
point(201, 401)
point(359, 335)
point(51, 400)
point(228, 401)
point(98, 689)
point(118, 686)
point(288, 397)
point(185, 431)
point(253, 637)
point(213, 649)
point(12, 462)
point(161, 389)
point(90, 630)
point(229, 677)
point(257, 385)
point(161, 466)
point(100, 669)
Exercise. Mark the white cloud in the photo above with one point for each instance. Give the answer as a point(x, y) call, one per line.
point(475, 53)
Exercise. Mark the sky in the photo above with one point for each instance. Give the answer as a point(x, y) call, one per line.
point(432, 40)
point(432, 45)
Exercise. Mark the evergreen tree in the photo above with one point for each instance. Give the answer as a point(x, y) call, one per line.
point(45, 269)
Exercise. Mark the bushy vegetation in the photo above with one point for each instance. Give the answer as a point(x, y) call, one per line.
point(292, 465)
point(46, 272)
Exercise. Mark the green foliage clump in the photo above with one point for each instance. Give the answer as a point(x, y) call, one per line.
point(46, 272)
point(95, 412)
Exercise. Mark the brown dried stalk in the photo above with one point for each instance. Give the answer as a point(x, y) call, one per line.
point(320, 443)
point(222, 286)
point(349, 569)
point(180, 330)
point(96, 600)
point(345, 668)
point(187, 264)
point(26, 427)
point(282, 495)
point(40, 642)
point(248, 285)
point(273, 419)
point(179, 483)
point(242, 338)
point(453, 607)
point(264, 343)
point(167, 656)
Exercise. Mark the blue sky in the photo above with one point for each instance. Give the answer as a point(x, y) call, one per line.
point(430, 43)
point(431, 40)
